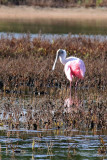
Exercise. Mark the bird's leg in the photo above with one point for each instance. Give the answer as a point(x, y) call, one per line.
point(76, 85)
point(70, 90)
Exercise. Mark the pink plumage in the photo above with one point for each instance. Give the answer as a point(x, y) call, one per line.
point(74, 68)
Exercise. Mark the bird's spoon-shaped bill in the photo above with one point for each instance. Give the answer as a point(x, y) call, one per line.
point(55, 62)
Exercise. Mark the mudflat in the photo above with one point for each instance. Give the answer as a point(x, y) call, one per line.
point(35, 13)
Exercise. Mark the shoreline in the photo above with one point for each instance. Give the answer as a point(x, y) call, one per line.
point(37, 13)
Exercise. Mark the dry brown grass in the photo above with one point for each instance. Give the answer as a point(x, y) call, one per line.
point(29, 63)
point(32, 13)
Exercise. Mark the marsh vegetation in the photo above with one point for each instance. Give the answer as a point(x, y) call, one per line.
point(26, 62)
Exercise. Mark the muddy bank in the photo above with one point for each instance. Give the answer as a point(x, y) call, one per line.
point(36, 13)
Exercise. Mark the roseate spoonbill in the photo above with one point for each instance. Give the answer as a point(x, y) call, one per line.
point(73, 66)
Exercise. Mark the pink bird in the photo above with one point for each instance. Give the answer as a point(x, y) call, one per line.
point(73, 66)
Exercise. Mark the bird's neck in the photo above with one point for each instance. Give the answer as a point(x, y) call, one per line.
point(62, 60)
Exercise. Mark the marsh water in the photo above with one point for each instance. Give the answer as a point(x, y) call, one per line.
point(36, 126)
point(55, 27)
point(48, 126)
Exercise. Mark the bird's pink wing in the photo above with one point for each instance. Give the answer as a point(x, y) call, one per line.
point(78, 68)
point(74, 68)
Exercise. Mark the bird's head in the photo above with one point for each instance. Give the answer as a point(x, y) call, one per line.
point(61, 54)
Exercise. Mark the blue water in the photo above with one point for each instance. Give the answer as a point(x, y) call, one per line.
point(51, 36)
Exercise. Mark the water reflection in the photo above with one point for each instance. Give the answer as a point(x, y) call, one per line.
point(72, 104)
point(54, 26)
point(48, 111)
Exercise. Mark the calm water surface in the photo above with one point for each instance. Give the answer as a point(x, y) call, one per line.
point(55, 27)
point(51, 144)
